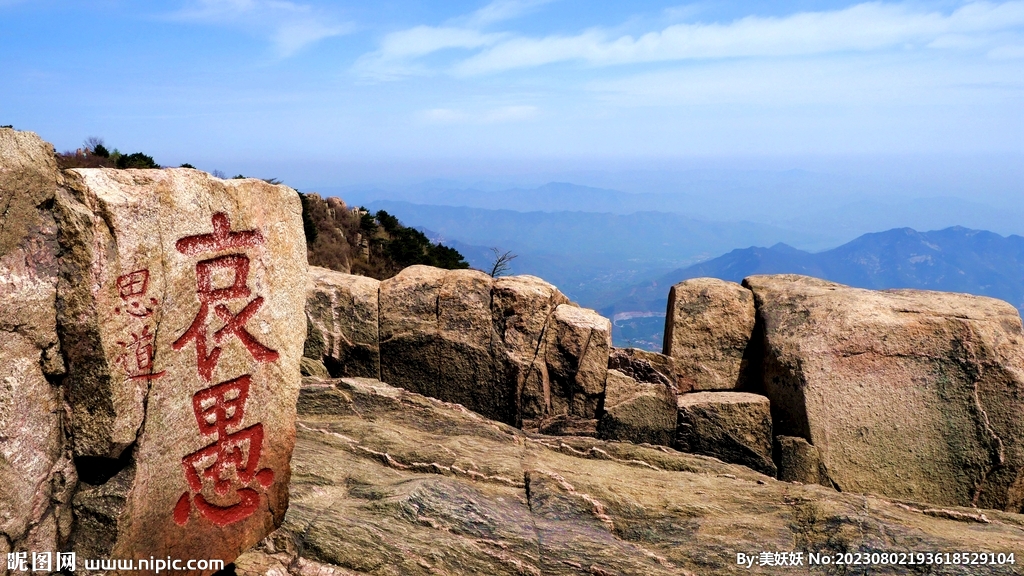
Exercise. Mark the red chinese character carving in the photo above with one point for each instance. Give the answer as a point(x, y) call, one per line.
point(221, 239)
point(132, 288)
point(235, 267)
point(138, 359)
point(231, 462)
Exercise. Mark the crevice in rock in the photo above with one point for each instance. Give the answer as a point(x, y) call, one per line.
point(98, 470)
point(526, 487)
point(380, 317)
point(573, 386)
point(751, 376)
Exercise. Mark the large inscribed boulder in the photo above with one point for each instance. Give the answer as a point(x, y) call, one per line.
point(708, 328)
point(342, 312)
point(906, 393)
point(181, 305)
point(36, 475)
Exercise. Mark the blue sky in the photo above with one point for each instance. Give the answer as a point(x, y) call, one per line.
point(325, 93)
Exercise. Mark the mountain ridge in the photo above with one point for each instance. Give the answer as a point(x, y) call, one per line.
point(954, 259)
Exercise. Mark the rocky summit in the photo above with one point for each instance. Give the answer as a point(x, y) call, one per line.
point(155, 323)
point(386, 481)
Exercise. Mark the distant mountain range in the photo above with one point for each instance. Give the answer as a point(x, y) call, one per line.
point(826, 210)
point(955, 259)
point(586, 254)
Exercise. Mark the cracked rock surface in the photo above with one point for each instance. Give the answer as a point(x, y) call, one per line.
point(36, 475)
point(386, 481)
point(180, 307)
point(906, 393)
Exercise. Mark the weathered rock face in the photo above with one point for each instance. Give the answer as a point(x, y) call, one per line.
point(797, 460)
point(637, 411)
point(708, 330)
point(645, 366)
point(910, 394)
point(342, 312)
point(437, 338)
point(577, 343)
point(735, 427)
point(36, 475)
point(388, 482)
point(521, 307)
point(181, 317)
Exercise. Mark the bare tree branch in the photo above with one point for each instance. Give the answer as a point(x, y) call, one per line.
point(502, 262)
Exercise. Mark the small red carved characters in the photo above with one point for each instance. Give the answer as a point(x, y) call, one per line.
point(237, 267)
point(230, 462)
point(137, 361)
point(137, 358)
point(230, 465)
point(132, 288)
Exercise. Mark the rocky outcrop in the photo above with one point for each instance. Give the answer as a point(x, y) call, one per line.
point(909, 394)
point(513, 349)
point(577, 343)
point(521, 307)
point(735, 427)
point(646, 366)
point(36, 473)
point(389, 482)
point(437, 339)
point(637, 411)
point(183, 350)
point(162, 423)
point(342, 316)
point(708, 331)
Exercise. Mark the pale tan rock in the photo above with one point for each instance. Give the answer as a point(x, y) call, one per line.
point(906, 393)
point(521, 307)
point(342, 311)
point(638, 412)
point(181, 303)
point(734, 427)
point(35, 465)
point(708, 328)
point(395, 483)
point(577, 343)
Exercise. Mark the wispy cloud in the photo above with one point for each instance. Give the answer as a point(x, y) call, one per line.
point(288, 26)
point(502, 10)
point(399, 49)
point(500, 115)
point(865, 27)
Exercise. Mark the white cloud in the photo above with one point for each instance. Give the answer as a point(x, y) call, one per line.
point(398, 49)
point(501, 10)
point(500, 115)
point(863, 27)
point(289, 26)
point(874, 81)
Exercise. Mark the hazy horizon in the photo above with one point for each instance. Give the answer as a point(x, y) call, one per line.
point(528, 91)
